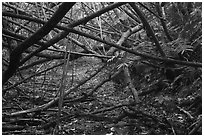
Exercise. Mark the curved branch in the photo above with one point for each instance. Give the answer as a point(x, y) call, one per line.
point(74, 24)
point(144, 55)
point(16, 54)
point(148, 28)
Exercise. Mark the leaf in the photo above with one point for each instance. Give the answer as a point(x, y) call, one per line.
point(182, 48)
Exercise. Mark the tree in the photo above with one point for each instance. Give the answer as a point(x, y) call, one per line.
point(103, 62)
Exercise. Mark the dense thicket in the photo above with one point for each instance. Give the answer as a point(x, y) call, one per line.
point(101, 68)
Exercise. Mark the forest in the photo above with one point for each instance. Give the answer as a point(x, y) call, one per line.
point(102, 68)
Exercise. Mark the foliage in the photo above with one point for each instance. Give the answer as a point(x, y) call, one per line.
point(104, 68)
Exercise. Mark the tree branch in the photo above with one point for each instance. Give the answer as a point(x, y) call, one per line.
point(158, 7)
point(148, 28)
point(16, 54)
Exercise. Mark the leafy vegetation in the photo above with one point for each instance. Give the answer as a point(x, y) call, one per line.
point(101, 68)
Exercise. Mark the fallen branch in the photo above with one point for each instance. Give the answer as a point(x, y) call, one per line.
point(185, 112)
point(55, 100)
